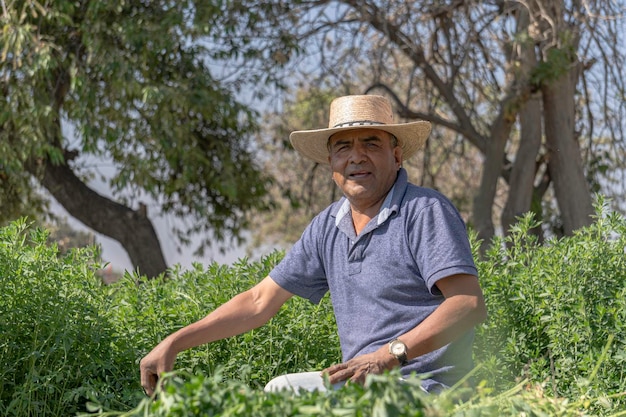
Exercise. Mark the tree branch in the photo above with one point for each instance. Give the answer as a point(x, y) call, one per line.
point(133, 229)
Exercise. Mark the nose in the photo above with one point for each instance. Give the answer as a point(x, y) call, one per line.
point(357, 154)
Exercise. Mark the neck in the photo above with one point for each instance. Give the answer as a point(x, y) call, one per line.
point(361, 216)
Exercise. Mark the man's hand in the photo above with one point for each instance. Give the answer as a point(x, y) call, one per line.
point(356, 369)
point(160, 359)
point(245, 311)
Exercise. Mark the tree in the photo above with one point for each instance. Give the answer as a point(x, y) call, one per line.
point(134, 81)
point(302, 188)
point(512, 79)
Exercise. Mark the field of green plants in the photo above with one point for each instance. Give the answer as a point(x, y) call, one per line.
point(554, 343)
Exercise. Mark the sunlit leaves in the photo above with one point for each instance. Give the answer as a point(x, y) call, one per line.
point(70, 343)
point(141, 86)
point(558, 310)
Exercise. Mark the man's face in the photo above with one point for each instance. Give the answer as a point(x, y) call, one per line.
point(365, 165)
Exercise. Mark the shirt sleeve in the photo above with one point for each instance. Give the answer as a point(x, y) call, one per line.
point(302, 271)
point(441, 244)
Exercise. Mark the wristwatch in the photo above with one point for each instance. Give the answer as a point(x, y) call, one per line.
point(398, 349)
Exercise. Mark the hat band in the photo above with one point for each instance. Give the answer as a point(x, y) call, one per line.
point(358, 123)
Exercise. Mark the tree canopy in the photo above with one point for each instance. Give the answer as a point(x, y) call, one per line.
point(528, 95)
point(531, 92)
point(135, 82)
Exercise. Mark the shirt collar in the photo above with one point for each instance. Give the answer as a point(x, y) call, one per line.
point(386, 209)
point(390, 204)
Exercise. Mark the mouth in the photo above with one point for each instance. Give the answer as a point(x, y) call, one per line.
point(358, 174)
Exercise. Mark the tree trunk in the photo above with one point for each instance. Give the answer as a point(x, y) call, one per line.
point(521, 182)
point(492, 169)
point(564, 163)
point(132, 229)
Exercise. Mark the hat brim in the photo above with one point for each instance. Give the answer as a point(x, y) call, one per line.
point(313, 144)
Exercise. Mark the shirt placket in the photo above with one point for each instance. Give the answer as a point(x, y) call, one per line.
point(356, 254)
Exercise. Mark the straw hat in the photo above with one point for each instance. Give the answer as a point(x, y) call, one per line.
point(360, 112)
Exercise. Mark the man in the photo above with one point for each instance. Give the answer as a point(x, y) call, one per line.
point(395, 258)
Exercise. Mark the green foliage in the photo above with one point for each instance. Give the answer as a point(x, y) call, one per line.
point(186, 395)
point(18, 195)
point(553, 345)
point(148, 87)
point(557, 64)
point(558, 311)
point(558, 60)
point(57, 348)
point(149, 312)
point(384, 395)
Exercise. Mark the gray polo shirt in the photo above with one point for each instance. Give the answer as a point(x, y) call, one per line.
point(382, 282)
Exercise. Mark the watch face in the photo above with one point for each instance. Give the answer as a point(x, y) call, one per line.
point(397, 348)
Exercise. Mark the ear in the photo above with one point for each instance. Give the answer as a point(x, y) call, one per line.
point(331, 172)
point(397, 155)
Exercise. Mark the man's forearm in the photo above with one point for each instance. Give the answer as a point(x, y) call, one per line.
point(451, 319)
point(459, 313)
point(226, 321)
point(244, 312)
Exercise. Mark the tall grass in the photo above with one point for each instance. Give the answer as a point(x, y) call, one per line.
point(57, 348)
point(558, 313)
point(554, 343)
point(301, 337)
